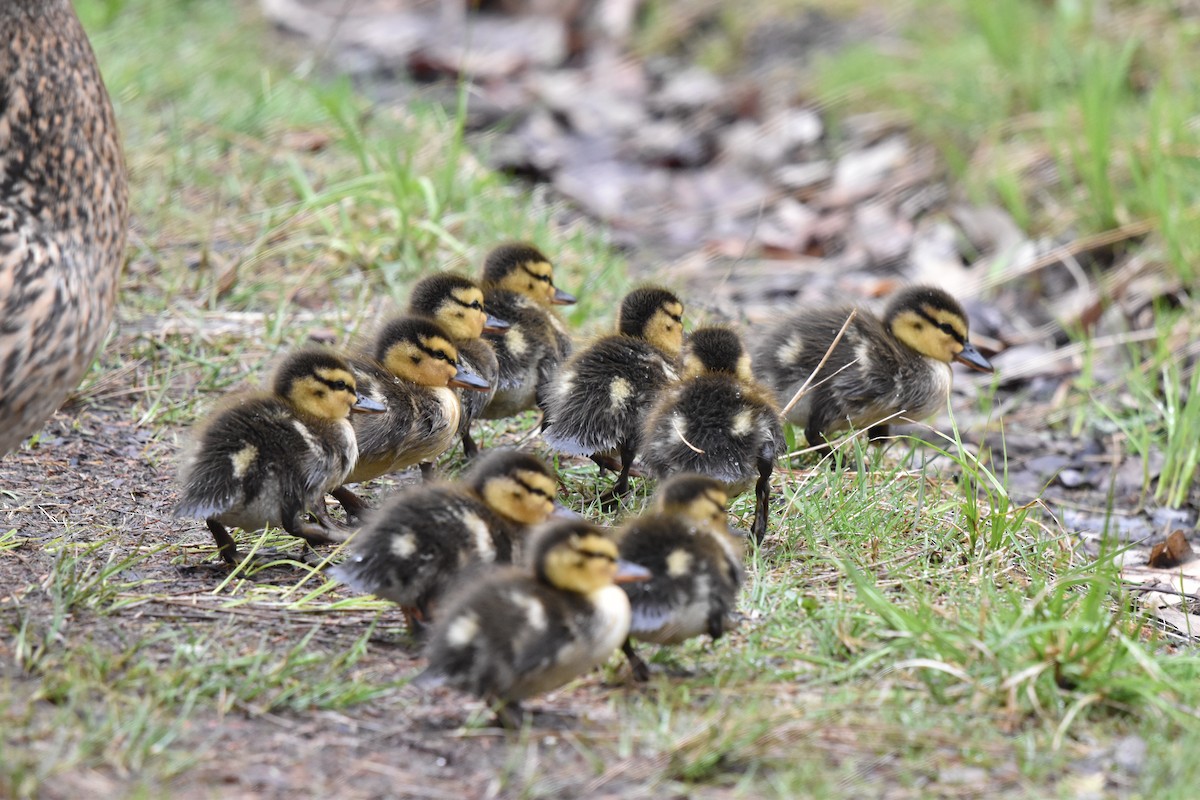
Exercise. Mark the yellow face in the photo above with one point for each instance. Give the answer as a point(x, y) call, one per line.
point(462, 314)
point(582, 564)
point(533, 279)
point(932, 332)
point(326, 393)
point(707, 510)
point(526, 497)
point(665, 329)
point(429, 361)
point(693, 367)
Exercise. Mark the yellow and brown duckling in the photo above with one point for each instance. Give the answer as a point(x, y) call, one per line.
point(695, 561)
point(717, 421)
point(894, 366)
point(597, 403)
point(413, 371)
point(64, 211)
point(456, 302)
point(269, 458)
point(513, 634)
point(417, 542)
point(518, 287)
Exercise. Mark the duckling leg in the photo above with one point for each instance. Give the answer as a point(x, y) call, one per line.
point(609, 500)
point(762, 499)
point(510, 715)
point(877, 432)
point(351, 503)
point(226, 546)
point(470, 449)
point(638, 667)
point(428, 471)
point(312, 532)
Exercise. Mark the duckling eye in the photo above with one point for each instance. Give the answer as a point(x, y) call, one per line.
point(476, 305)
point(947, 328)
point(339, 386)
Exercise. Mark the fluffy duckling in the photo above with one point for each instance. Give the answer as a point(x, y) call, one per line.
point(412, 370)
point(597, 403)
point(897, 365)
point(269, 458)
point(456, 302)
point(717, 421)
point(64, 211)
point(695, 561)
point(423, 536)
point(518, 287)
point(513, 634)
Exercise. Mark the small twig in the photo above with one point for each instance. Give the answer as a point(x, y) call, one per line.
point(682, 438)
point(836, 340)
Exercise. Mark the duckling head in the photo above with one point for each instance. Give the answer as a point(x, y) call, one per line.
point(715, 349)
point(522, 268)
point(575, 556)
point(420, 350)
point(516, 485)
point(933, 323)
point(698, 498)
point(654, 314)
point(456, 302)
point(320, 384)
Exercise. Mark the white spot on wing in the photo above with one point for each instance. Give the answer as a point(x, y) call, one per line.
point(481, 535)
point(619, 392)
point(743, 423)
point(242, 460)
point(535, 612)
point(404, 546)
point(514, 340)
point(462, 631)
point(679, 563)
point(789, 352)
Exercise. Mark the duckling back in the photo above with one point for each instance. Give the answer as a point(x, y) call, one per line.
point(63, 211)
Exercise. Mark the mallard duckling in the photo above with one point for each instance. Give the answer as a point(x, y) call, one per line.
point(425, 535)
point(695, 561)
point(413, 371)
point(269, 458)
point(518, 287)
point(456, 302)
point(894, 366)
point(64, 211)
point(717, 421)
point(513, 634)
point(598, 401)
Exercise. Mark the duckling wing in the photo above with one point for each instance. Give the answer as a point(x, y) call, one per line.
point(524, 345)
point(599, 399)
point(243, 450)
point(419, 542)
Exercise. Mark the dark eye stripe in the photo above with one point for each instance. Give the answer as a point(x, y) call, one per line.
point(536, 276)
point(944, 326)
point(594, 554)
point(432, 353)
point(533, 489)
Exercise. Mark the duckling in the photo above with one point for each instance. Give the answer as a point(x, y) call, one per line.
point(456, 302)
point(513, 634)
point(412, 370)
point(423, 536)
point(897, 365)
point(64, 211)
point(695, 561)
point(598, 401)
point(518, 287)
point(717, 421)
point(269, 458)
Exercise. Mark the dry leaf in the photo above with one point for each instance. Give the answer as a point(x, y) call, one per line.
point(1172, 552)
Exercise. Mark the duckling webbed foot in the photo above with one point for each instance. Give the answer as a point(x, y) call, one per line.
point(470, 449)
point(352, 504)
point(227, 549)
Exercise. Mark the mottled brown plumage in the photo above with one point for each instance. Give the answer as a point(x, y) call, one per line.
point(63, 211)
